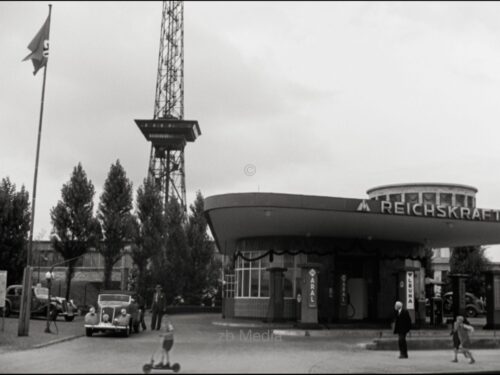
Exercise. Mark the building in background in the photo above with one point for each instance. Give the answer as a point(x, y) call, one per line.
point(89, 273)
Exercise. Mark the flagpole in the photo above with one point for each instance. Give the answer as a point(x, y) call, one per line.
point(25, 311)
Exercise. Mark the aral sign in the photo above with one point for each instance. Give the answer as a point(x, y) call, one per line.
point(313, 285)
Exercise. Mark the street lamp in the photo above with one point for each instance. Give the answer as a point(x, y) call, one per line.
point(45, 259)
point(48, 276)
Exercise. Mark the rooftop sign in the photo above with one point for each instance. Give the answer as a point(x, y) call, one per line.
point(430, 210)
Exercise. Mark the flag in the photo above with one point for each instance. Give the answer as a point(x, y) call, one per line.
point(39, 47)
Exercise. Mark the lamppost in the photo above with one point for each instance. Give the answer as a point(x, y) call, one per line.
point(45, 259)
point(48, 276)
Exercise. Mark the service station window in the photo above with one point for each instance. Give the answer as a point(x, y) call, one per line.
point(445, 199)
point(411, 198)
point(429, 198)
point(470, 201)
point(395, 197)
point(252, 279)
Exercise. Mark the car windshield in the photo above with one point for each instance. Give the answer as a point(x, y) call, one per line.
point(114, 298)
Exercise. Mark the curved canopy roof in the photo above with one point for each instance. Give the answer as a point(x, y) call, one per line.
point(247, 215)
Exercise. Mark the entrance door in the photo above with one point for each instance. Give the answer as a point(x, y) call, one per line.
point(358, 304)
point(352, 276)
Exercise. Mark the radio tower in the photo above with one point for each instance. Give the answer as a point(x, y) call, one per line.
point(168, 131)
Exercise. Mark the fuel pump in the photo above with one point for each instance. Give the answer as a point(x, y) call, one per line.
point(436, 311)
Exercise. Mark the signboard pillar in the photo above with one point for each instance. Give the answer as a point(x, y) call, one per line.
point(309, 311)
point(492, 299)
point(458, 288)
point(276, 305)
point(343, 297)
point(406, 291)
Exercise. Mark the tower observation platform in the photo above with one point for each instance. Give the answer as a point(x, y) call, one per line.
point(169, 134)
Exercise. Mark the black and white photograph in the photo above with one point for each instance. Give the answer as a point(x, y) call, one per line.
point(249, 187)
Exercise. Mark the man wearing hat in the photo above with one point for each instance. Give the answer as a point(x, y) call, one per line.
point(157, 308)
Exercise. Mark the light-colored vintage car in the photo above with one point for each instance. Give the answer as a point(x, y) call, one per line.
point(109, 318)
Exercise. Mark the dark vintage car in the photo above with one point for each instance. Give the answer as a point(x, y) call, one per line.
point(65, 308)
point(473, 305)
point(108, 317)
point(39, 298)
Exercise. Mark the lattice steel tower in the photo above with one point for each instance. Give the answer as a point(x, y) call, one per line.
point(168, 131)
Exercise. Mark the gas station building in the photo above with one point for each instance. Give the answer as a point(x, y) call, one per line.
point(318, 259)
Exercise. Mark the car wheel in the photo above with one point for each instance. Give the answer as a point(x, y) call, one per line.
point(69, 318)
point(88, 332)
point(147, 368)
point(471, 312)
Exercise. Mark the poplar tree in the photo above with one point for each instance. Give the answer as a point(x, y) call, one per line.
point(149, 231)
point(115, 217)
point(74, 226)
point(170, 266)
point(14, 228)
point(203, 270)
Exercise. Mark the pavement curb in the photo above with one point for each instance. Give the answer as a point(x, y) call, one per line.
point(326, 333)
point(56, 341)
point(236, 325)
point(245, 325)
point(286, 332)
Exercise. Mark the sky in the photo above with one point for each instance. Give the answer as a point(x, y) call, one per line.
point(317, 98)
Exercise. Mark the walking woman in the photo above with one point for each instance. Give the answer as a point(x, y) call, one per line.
point(461, 340)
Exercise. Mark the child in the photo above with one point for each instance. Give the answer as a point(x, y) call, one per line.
point(461, 339)
point(167, 342)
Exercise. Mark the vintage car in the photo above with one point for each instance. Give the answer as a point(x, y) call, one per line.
point(65, 308)
point(109, 317)
point(39, 298)
point(473, 305)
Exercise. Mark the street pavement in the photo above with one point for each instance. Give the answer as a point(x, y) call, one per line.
point(202, 347)
point(60, 330)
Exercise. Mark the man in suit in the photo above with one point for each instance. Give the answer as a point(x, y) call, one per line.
point(157, 308)
point(402, 325)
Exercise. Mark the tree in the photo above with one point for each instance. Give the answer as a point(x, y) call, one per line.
point(73, 223)
point(14, 228)
point(202, 269)
point(170, 265)
point(149, 231)
point(115, 218)
point(470, 260)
